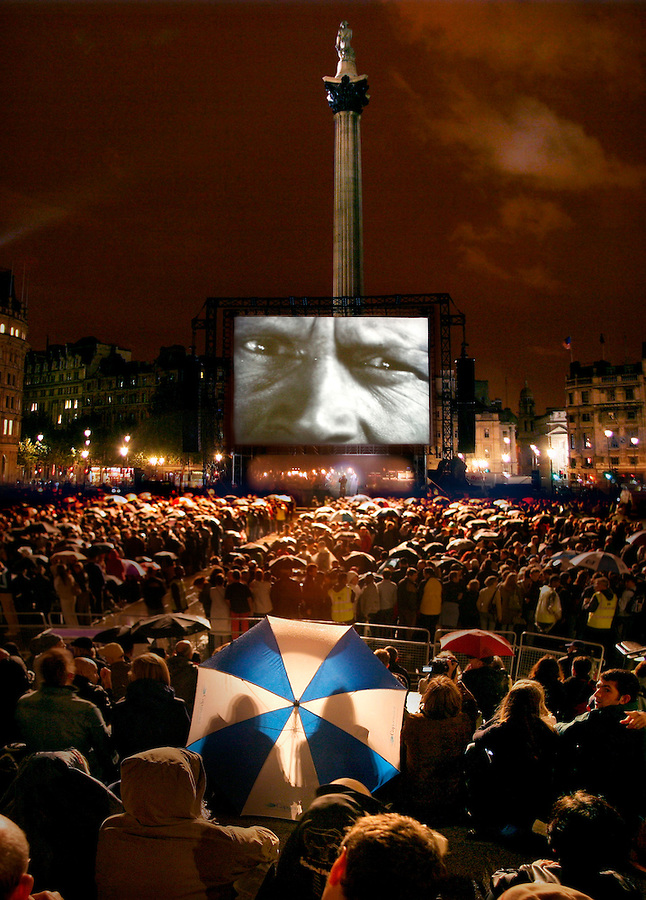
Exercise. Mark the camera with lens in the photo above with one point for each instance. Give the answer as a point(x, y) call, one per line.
point(437, 666)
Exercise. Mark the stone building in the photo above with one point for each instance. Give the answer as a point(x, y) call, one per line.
point(606, 414)
point(494, 460)
point(64, 382)
point(542, 443)
point(13, 347)
point(92, 380)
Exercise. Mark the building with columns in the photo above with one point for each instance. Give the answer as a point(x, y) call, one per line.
point(606, 413)
point(542, 443)
point(494, 460)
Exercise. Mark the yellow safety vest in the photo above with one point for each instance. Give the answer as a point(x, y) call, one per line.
point(342, 605)
point(603, 615)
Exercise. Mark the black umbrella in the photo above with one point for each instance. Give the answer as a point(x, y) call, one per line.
point(403, 550)
point(164, 556)
point(97, 549)
point(434, 547)
point(168, 625)
point(253, 549)
point(115, 633)
point(287, 562)
point(364, 562)
point(41, 528)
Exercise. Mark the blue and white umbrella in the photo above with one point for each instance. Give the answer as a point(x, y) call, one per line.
point(291, 705)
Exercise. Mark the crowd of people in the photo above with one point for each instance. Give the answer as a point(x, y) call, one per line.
point(95, 735)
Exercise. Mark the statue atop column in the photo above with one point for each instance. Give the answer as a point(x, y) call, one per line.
point(347, 90)
point(343, 47)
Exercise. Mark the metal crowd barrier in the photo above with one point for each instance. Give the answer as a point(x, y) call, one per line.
point(412, 644)
point(534, 645)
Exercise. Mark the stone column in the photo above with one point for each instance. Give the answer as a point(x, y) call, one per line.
point(347, 95)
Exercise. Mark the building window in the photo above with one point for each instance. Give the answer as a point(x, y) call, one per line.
point(631, 414)
point(34, 407)
point(572, 442)
point(587, 443)
point(585, 396)
point(630, 394)
point(632, 460)
point(585, 417)
point(486, 432)
point(573, 463)
point(614, 460)
point(570, 399)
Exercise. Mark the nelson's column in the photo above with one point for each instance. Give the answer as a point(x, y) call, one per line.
point(347, 95)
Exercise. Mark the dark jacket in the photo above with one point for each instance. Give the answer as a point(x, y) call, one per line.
point(511, 774)
point(488, 686)
point(60, 808)
point(609, 885)
point(314, 844)
point(150, 715)
point(183, 679)
point(56, 718)
point(602, 756)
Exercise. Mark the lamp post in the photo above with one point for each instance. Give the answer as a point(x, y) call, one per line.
point(551, 453)
point(536, 472)
point(608, 433)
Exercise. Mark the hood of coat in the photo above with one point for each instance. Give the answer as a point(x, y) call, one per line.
point(160, 786)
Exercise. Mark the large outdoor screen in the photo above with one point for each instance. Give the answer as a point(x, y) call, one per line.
point(330, 380)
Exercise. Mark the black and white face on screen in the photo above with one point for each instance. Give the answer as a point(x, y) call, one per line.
point(330, 380)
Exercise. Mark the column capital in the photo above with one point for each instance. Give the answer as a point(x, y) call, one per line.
point(347, 94)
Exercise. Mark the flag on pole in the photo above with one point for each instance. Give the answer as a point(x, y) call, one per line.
point(567, 343)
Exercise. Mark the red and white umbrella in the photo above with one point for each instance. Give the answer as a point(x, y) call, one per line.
point(476, 643)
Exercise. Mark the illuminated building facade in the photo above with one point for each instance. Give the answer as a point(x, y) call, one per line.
point(13, 348)
point(494, 460)
point(92, 380)
point(606, 415)
point(542, 443)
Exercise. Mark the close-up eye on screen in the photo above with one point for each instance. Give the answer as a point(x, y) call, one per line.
point(331, 380)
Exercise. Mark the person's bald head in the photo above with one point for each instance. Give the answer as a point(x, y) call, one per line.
point(184, 648)
point(87, 668)
point(15, 883)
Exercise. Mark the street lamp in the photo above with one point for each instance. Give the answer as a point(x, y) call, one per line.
point(123, 450)
point(608, 433)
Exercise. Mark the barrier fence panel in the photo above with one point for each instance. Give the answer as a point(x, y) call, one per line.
point(412, 644)
point(533, 646)
point(21, 626)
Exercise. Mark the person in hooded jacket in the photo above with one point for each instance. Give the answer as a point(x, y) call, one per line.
point(163, 845)
point(60, 807)
point(150, 715)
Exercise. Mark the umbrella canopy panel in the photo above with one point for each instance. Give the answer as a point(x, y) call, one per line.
point(477, 643)
point(292, 705)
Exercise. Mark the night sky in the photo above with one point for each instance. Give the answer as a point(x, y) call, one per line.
point(157, 154)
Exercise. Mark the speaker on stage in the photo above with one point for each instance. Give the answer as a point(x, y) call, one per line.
point(191, 397)
point(465, 368)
